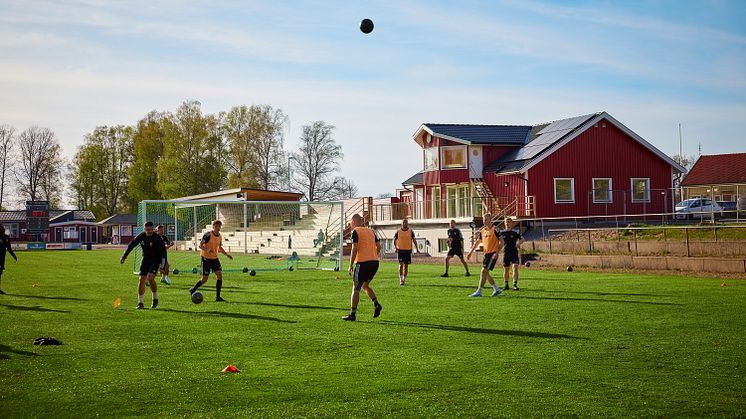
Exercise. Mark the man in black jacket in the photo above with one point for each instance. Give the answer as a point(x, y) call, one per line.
point(153, 260)
point(4, 247)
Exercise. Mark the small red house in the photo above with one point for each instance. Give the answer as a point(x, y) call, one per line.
point(586, 165)
point(73, 226)
point(120, 228)
point(720, 177)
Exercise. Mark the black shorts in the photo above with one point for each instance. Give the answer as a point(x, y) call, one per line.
point(364, 272)
point(405, 256)
point(150, 266)
point(489, 263)
point(210, 265)
point(456, 251)
point(511, 257)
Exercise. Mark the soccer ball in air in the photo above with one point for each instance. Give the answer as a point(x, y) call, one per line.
point(197, 297)
point(366, 26)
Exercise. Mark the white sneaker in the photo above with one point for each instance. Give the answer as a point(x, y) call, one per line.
point(496, 292)
point(476, 294)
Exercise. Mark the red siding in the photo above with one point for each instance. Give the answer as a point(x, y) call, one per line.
point(600, 153)
point(431, 177)
point(516, 185)
point(454, 176)
point(492, 153)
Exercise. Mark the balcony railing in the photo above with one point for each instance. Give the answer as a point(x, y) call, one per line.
point(522, 206)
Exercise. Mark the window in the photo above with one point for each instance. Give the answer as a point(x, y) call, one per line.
point(387, 245)
point(442, 245)
point(437, 203)
point(453, 157)
point(431, 158)
point(640, 189)
point(602, 190)
point(458, 200)
point(13, 228)
point(70, 233)
point(126, 230)
point(564, 190)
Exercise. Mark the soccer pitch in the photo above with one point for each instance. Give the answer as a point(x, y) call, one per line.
point(586, 344)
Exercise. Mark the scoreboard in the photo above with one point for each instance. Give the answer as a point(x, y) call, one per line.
point(37, 216)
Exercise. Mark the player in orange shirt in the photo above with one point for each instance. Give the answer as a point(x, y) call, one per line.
point(404, 242)
point(489, 237)
point(364, 261)
point(210, 245)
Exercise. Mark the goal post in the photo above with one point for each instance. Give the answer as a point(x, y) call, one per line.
point(260, 235)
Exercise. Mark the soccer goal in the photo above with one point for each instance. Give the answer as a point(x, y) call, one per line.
point(261, 236)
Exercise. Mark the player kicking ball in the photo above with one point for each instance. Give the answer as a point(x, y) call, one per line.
point(4, 247)
point(404, 242)
point(512, 241)
point(169, 244)
point(364, 260)
point(153, 260)
point(488, 237)
point(210, 245)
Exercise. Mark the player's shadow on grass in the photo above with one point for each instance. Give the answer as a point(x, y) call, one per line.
point(601, 300)
point(471, 287)
point(244, 316)
point(45, 297)
point(301, 306)
point(33, 308)
point(5, 350)
point(483, 330)
point(599, 293)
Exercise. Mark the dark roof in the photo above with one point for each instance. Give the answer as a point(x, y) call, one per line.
point(71, 215)
point(118, 219)
point(542, 137)
point(15, 216)
point(416, 179)
point(482, 134)
point(717, 169)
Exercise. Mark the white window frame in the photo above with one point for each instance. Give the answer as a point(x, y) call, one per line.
point(424, 158)
point(632, 189)
point(452, 147)
point(593, 187)
point(572, 190)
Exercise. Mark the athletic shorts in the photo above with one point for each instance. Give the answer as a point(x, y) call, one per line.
point(456, 251)
point(364, 272)
point(489, 263)
point(510, 257)
point(149, 266)
point(210, 265)
point(405, 256)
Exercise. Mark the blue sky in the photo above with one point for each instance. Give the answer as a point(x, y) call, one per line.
point(73, 65)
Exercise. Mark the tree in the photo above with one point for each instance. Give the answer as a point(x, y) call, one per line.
point(255, 137)
point(316, 160)
point(99, 169)
point(385, 195)
point(147, 148)
point(38, 171)
point(193, 153)
point(687, 162)
point(7, 137)
point(345, 188)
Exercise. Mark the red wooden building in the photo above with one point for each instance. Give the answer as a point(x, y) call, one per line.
point(585, 165)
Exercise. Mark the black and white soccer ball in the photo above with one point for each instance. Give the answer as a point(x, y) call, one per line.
point(197, 297)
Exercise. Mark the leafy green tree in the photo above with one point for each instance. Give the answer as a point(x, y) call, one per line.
point(147, 144)
point(193, 153)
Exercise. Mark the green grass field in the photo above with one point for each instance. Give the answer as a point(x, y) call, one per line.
point(585, 344)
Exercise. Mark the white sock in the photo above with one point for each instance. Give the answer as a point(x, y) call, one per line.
point(495, 287)
point(167, 278)
point(155, 295)
point(479, 290)
point(140, 298)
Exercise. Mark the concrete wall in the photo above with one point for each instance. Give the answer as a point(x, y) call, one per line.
point(644, 248)
point(692, 264)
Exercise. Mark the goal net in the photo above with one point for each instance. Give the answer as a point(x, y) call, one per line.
point(261, 236)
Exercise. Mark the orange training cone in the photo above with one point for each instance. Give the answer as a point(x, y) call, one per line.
point(117, 302)
point(723, 284)
point(231, 368)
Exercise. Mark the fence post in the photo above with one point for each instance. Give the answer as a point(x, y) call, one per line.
point(686, 233)
point(550, 244)
point(715, 232)
point(665, 240)
point(634, 233)
point(590, 243)
point(542, 230)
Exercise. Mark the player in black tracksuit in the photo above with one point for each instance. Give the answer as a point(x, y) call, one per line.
point(512, 241)
point(153, 260)
point(4, 247)
point(455, 247)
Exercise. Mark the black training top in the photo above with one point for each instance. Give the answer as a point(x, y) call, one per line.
point(166, 240)
point(5, 246)
point(152, 246)
point(456, 237)
point(510, 239)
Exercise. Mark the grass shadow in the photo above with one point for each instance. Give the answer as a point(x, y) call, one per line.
point(601, 300)
point(33, 308)
point(481, 330)
point(5, 350)
point(471, 287)
point(44, 297)
point(301, 306)
point(600, 293)
point(243, 316)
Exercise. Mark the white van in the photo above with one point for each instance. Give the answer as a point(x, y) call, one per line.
point(697, 208)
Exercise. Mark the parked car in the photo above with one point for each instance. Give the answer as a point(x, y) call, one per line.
point(728, 207)
point(697, 208)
